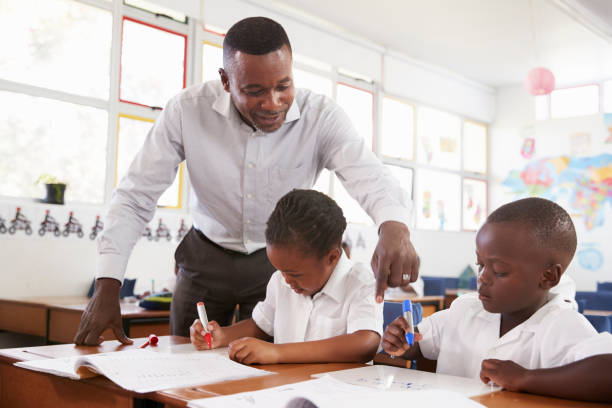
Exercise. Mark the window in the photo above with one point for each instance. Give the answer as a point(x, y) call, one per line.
point(132, 132)
point(607, 94)
point(404, 175)
point(212, 60)
point(152, 63)
point(439, 137)
point(57, 44)
point(157, 10)
point(316, 83)
point(359, 106)
point(323, 182)
point(474, 147)
point(350, 207)
point(438, 196)
point(41, 135)
point(578, 101)
point(397, 129)
point(474, 203)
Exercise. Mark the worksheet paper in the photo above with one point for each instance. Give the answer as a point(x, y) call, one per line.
point(327, 392)
point(151, 369)
point(397, 378)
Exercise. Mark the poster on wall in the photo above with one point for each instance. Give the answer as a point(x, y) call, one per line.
point(474, 203)
point(437, 200)
point(574, 169)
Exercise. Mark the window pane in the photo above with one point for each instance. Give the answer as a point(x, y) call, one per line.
point(397, 129)
point(607, 94)
point(542, 108)
point(57, 44)
point(323, 182)
point(212, 60)
point(437, 200)
point(350, 207)
point(439, 136)
point(474, 203)
point(42, 135)
point(583, 100)
point(152, 64)
point(316, 83)
point(156, 9)
point(403, 175)
point(474, 147)
point(359, 106)
point(132, 134)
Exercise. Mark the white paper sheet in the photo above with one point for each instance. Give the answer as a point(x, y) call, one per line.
point(146, 370)
point(327, 392)
point(397, 378)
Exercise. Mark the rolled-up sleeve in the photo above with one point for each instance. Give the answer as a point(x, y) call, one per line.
point(264, 311)
point(364, 312)
point(431, 328)
point(134, 201)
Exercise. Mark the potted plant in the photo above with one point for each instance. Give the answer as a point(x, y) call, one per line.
point(55, 189)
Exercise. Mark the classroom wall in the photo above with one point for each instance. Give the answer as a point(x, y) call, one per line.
point(562, 147)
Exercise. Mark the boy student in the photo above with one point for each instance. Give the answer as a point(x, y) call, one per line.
point(514, 332)
point(319, 306)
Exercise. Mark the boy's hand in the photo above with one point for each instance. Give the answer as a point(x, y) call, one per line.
point(196, 335)
point(504, 373)
point(394, 338)
point(249, 350)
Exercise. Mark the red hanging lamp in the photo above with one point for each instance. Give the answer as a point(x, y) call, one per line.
point(539, 80)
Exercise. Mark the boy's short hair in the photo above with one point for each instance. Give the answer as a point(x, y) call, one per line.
point(307, 219)
point(550, 225)
point(255, 36)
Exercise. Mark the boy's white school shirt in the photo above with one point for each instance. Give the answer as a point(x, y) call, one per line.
point(461, 337)
point(344, 305)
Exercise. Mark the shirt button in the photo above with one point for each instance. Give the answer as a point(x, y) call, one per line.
point(250, 165)
point(249, 195)
point(246, 241)
point(248, 221)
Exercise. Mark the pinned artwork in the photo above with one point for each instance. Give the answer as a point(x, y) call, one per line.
point(20, 222)
point(162, 231)
point(608, 125)
point(181, 231)
point(49, 225)
point(147, 233)
point(73, 226)
point(2, 226)
point(95, 230)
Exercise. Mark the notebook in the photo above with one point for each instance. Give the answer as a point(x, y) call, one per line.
point(147, 370)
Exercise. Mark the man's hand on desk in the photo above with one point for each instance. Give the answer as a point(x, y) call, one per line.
point(102, 312)
point(394, 261)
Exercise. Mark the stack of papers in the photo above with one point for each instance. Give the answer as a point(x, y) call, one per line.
point(146, 370)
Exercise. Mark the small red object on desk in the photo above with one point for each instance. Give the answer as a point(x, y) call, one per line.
point(151, 341)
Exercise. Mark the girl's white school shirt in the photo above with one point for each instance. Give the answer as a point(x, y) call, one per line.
point(344, 305)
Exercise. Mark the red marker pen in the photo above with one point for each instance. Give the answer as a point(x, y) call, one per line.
point(151, 341)
point(204, 320)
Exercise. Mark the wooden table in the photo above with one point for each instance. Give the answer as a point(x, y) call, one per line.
point(57, 318)
point(431, 304)
point(25, 388)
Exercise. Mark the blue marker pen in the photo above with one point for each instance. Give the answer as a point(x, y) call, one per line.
point(407, 312)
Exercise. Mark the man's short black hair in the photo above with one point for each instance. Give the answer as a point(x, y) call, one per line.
point(550, 225)
point(307, 219)
point(255, 36)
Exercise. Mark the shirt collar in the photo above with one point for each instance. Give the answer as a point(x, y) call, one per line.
point(335, 287)
point(223, 105)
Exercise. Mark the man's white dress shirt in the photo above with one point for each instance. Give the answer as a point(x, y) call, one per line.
point(237, 174)
point(343, 306)
point(461, 337)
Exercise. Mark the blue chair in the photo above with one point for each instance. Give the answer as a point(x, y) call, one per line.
point(392, 310)
point(451, 283)
point(600, 323)
point(604, 286)
point(581, 305)
point(433, 286)
point(595, 300)
point(473, 283)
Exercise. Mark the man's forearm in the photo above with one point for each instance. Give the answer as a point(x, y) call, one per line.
point(358, 347)
point(589, 380)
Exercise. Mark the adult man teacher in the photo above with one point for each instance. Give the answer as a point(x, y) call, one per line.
point(246, 141)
